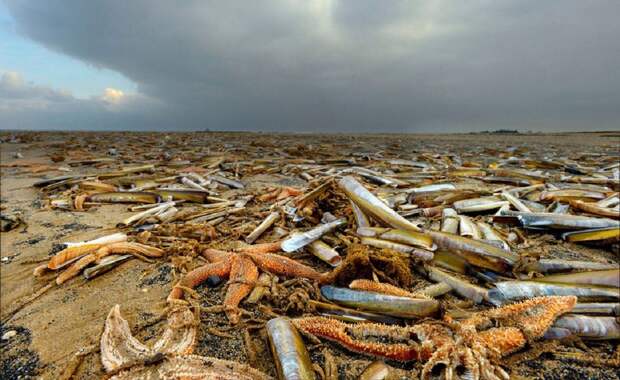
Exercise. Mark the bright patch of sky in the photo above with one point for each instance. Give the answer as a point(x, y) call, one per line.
point(47, 68)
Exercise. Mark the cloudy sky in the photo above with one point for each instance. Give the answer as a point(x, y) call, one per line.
point(310, 66)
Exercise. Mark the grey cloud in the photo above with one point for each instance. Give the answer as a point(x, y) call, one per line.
point(346, 65)
point(24, 105)
point(14, 88)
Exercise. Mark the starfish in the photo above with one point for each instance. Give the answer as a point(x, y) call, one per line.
point(280, 193)
point(241, 268)
point(79, 257)
point(471, 347)
point(124, 357)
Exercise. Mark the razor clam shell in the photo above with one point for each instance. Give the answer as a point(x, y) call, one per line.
point(478, 204)
point(370, 231)
point(415, 164)
point(611, 201)
point(328, 217)
point(450, 221)
point(557, 333)
point(301, 239)
point(435, 290)
point(324, 252)
point(559, 208)
point(195, 196)
point(430, 188)
point(215, 215)
point(396, 306)
point(360, 218)
point(380, 243)
point(379, 179)
point(561, 221)
point(497, 243)
point(590, 327)
point(150, 212)
point(351, 315)
point(416, 239)
point(372, 205)
point(265, 224)
point(461, 287)
point(448, 260)
point(515, 202)
point(567, 235)
point(167, 215)
point(485, 254)
point(491, 237)
point(289, 352)
point(468, 228)
point(514, 290)
point(507, 180)
point(571, 193)
point(64, 204)
point(609, 277)
point(106, 264)
point(558, 265)
point(53, 180)
point(124, 197)
point(228, 182)
point(407, 250)
point(108, 239)
point(376, 370)
point(192, 184)
point(607, 308)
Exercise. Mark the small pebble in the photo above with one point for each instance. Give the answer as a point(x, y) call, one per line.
point(213, 281)
point(9, 334)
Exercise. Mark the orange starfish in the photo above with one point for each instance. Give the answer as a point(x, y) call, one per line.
point(279, 194)
point(454, 347)
point(241, 268)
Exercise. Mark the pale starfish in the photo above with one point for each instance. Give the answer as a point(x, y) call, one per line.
point(124, 357)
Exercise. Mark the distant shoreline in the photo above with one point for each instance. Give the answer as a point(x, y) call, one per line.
point(318, 133)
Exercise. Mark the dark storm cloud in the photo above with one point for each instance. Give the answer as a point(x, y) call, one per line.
point(344, 65)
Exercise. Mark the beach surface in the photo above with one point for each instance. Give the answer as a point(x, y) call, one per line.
point(57, 332)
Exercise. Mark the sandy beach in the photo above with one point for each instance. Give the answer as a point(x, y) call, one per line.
point(57, 333)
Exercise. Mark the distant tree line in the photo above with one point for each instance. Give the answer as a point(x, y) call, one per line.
point(500, 132)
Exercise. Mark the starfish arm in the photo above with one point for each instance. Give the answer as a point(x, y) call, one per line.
point(198, 275)
point(283, 265)
point(243, 276)
point(262, 248)
point(383, 288)
point(504, 339)
point(534, 316)
point(215, 255)
point(288, 192)
point(337, 331)
point(76, 268)
point(136, 249)
point(71, 253)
